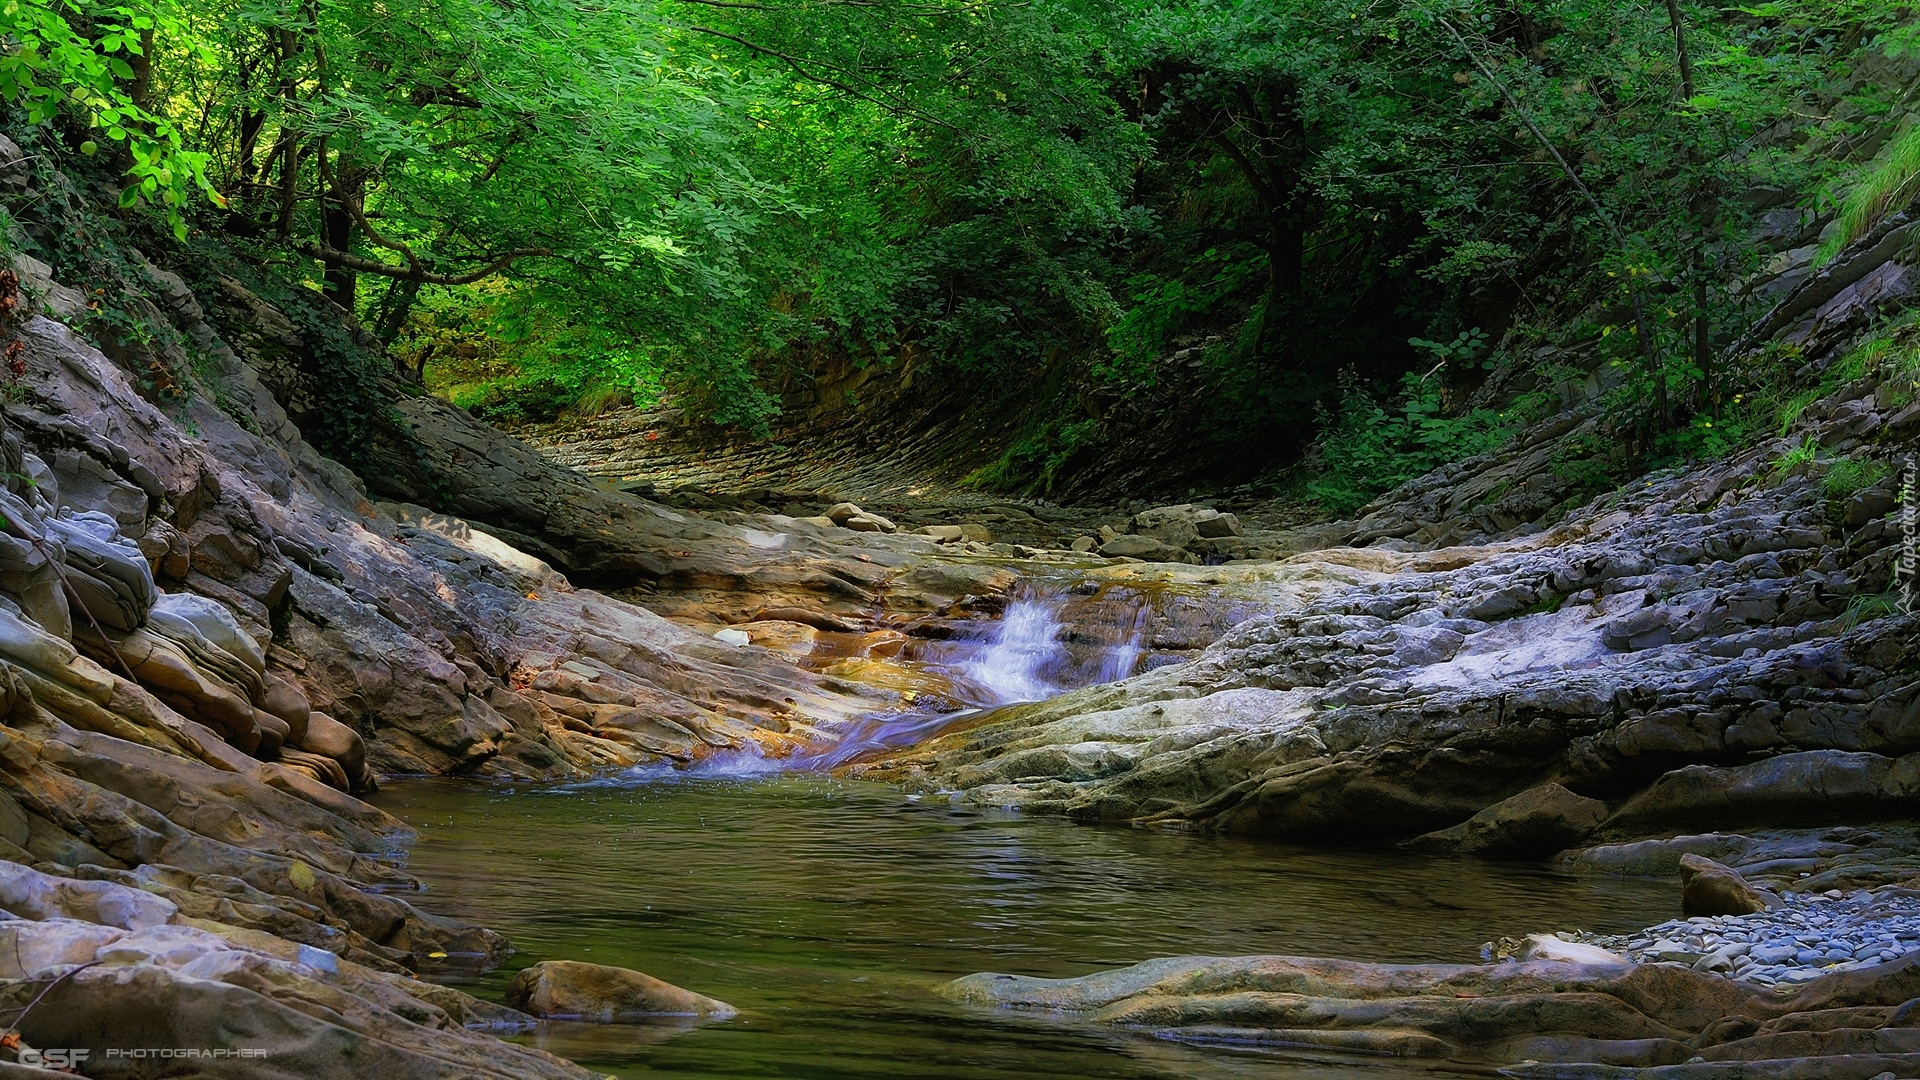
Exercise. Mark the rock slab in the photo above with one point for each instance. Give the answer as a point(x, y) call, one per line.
point(573, 990)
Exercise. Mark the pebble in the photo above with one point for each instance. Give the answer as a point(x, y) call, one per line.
point(1806, 937)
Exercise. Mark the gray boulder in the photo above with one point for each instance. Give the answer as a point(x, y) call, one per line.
point(1538, 821)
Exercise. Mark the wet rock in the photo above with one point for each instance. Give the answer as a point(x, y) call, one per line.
point(1787, 789)
point(1552, 947)
point(569, 989)
point(1536, 822)
point(1478, 1011)
point(179, 986)
point(1710, 888)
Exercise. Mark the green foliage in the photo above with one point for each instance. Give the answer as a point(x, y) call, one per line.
point(1369, 450)
point(1851, 474)
point(1797, 458)
point(1463, 350)
point(550, 207)
point(1874, 192)
point(78, 55)
point(1030, 465)
point(1864, 608)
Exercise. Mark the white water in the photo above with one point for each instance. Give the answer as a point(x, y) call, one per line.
point(1024, 656)
point(1031, 653)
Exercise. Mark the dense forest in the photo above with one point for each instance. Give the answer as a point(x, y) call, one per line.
point(1347, 215)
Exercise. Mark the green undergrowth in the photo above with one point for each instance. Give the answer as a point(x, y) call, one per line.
point(1370, 449)
point(1032, 463)
point(1890, 355)
point(1877, 190)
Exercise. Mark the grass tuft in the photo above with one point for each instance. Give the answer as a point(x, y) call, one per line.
point(1875, 193)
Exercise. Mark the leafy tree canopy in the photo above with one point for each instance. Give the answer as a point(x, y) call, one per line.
point(697, 196)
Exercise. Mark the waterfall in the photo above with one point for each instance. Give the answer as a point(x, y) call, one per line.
point(1050, 638)
point(1024, 658)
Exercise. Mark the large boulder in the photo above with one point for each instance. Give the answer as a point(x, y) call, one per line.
point(1538, 821)
point(574, 990)
point(1214, 525)
point(1711, 888)
point(1171, 525)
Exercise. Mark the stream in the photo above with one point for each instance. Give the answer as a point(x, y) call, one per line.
point(826, 909)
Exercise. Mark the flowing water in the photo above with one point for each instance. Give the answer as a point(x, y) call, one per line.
point(827, 910)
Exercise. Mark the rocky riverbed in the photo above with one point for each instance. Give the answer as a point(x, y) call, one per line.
point(1797, 942)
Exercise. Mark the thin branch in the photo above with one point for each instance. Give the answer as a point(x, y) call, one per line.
point(336, 257)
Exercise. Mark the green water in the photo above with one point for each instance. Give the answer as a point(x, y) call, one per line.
point(826, 910)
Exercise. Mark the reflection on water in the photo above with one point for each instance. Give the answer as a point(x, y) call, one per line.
point(826, 909)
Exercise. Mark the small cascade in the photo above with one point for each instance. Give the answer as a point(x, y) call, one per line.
point(1122, 643)
point(1052, 637)
point(1034, 651)
point(1024, 657)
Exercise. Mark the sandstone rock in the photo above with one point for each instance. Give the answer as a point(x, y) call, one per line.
point(1536, 822)
point(1171, 525)
point(1085, 543)
point(1213, 524)
point(945, 534)
point(178, 987)
point(1425, 1010)
point(31, 894)
point(848, 516)
point(1148, 548)
point(331, 738)
point(569, 989)
point(105, 573)
point(1787, 789)
point(283, 698)
point(1710, 888)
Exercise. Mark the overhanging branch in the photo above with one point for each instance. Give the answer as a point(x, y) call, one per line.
point(335, 257)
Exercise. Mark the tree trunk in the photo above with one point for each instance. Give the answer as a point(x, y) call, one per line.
point(336, 232)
